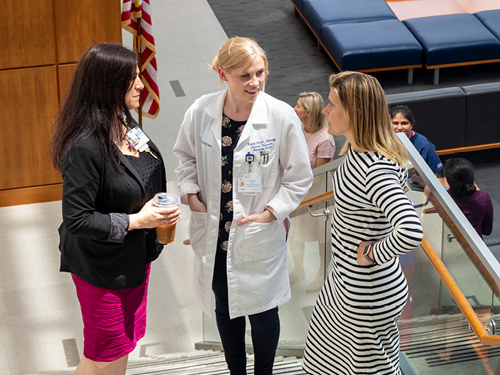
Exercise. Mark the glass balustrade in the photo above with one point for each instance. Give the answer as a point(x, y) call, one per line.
point(435, 336)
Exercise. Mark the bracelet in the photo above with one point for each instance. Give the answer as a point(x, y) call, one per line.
point(271, 211)
point(366, 252)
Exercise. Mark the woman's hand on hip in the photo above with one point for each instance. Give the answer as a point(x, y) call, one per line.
point(151, 217)
point(264, 217)
point(362, 260)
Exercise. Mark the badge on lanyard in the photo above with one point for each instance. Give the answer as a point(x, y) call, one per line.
point(139, 140)
point(250, 183)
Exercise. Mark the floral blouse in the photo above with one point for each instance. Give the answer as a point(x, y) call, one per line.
point(231, 131)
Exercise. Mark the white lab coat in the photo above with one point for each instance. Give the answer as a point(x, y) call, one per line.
point(257, 269)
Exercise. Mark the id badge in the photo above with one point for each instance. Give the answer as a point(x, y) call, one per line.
point(138, 139)
point(250, 184)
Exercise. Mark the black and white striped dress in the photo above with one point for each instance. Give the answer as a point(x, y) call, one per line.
point(353, 326)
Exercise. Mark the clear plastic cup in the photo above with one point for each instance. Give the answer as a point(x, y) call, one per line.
point(165, 234)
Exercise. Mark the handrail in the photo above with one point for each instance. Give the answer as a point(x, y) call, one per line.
point(317, 199)
point(488, 278)
point(458, 296)
point(442, 271)
point(301, 209)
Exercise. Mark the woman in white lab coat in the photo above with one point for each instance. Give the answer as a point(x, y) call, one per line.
point(244, 167)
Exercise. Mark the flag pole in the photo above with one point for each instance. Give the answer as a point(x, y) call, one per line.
point(139, 62)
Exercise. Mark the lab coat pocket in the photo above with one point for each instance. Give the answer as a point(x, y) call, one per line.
point(258, 241)
point(197, 231)
point(268, 168)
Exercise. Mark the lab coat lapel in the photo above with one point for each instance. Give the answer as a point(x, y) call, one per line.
point(214, 110)
point(258, 118)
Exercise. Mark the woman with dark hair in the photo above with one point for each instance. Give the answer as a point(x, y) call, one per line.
point(353, 328)
point(106, 241)
point(403, 121)
point(474, 203)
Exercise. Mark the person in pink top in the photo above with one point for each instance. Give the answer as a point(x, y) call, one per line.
point(319, 143)
point(321, 148)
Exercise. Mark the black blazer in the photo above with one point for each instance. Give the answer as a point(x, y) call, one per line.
point(92, 189)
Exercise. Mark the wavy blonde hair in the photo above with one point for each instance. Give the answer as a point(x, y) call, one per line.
point(314, 104)
point(363, 100)
point(238, 53)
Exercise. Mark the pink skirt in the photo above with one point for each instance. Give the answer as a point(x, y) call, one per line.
point(113, 319)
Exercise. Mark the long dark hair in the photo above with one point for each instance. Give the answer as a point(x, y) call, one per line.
point(94, 100)
point(460, 176)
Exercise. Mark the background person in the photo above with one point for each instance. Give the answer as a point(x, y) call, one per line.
point(105, 238)
point(403, 121)
point(353, 328)
point(238, 234)
point(321, 147)
point(320, 144)
point(474, 203)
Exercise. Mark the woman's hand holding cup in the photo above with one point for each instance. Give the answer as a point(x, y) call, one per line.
point(161, 212)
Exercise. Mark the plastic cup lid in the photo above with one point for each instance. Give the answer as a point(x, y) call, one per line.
point(166, 199)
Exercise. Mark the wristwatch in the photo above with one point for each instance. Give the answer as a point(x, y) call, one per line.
point(366, 251)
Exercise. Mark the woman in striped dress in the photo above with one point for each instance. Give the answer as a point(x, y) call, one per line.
point(353, 326)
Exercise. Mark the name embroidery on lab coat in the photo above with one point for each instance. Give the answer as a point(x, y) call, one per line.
point(262, 145)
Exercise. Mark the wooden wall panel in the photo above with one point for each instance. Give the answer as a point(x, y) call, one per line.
point(81, 24)
point(30, 99)
point(65, 74)
point(41, 42)
point(27, 30)
point(37, 194)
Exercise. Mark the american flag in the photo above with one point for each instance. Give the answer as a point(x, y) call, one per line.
point(132, 11)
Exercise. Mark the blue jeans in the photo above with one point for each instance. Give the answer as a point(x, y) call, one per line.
point(265, 328)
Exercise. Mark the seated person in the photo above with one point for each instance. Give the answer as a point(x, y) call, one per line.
point(403, 121)
point(474, 203)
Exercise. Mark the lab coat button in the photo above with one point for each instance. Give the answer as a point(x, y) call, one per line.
point(203, 258)
point(229, 269)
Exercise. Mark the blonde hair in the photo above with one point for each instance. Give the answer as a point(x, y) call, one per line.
point(239, 53)
point(363, 100)
point(314, 104)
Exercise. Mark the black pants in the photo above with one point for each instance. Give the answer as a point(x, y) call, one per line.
point(265, 328)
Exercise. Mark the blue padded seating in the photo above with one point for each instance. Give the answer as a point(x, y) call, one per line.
point(371, 45)
point(454, 39)
point(490, 19)
point(298, 4)
point(319, 13)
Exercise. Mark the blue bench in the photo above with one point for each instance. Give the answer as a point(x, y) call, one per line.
point(454, 40)
point(490, 19)
point(318, 13)
point(362, 35)
point(372, 46)
point(365, 35)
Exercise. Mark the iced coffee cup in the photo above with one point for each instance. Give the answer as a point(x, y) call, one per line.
point(165, 234)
